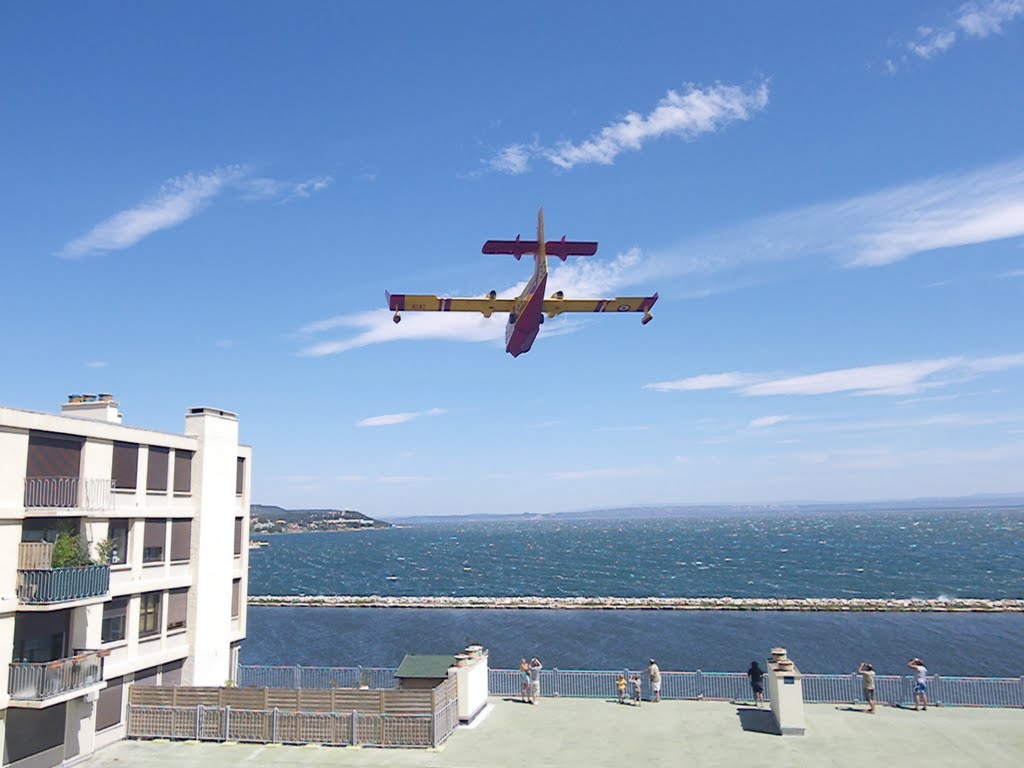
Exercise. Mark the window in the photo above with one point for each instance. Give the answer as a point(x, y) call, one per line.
point(177, 608)
point(240, 476)
point(149, 614)
point(156, 474)
point(238, 535)
point(170, 674)
point(182, 471)
point(115, 614)
point(124, 471)
point(181, 540)
point(146, 676)
point(53, 455)
point(236, 597)
point(117, 532)
point(153, 540)
point(108, 707)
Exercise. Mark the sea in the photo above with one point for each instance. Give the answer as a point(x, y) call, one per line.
point(925, 553)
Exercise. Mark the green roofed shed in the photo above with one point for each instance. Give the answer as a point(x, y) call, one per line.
point(423, 671)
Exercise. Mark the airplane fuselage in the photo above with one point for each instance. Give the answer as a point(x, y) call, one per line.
point(524, 321)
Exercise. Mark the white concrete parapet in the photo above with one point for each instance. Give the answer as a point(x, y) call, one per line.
point(471, 675)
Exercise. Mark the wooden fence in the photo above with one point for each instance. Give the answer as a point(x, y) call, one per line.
point(339, 716)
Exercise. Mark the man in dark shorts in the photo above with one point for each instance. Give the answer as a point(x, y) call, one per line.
point(756, 675)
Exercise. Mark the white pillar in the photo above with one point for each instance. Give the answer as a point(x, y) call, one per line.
point(786, 692)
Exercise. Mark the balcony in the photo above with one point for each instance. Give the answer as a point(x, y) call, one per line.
point(86, 493)
point(60, 585)
point(37, 682)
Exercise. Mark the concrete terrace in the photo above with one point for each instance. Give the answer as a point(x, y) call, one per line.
point(602, 734)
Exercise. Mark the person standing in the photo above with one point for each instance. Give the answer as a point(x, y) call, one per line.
point(756, 675)
point(634, 683)
point(524, 680)
point(620, 687)
point(534, 670)
point(867, 679)
point(920, 683)
point(655, 675)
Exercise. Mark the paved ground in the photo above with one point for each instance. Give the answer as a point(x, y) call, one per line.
point(600, 734)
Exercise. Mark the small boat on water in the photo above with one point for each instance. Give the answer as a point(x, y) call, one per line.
point(258, 544)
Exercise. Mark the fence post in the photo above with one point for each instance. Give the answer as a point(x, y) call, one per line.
point(298, 676)
point(700, 685)
point(273, 727)
point(355, 727)
point(227, 722)
point(555, 682)
point(936, 701)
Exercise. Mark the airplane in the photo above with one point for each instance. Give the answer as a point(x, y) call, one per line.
point(527, 311)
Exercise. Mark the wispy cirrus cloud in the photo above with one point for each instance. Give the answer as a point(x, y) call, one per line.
point(177, 201)
point(688, 114)
point(582, 278)
point(870, 230)
point(767, 421)
point(976, 20)
point(887, 379)
point(389, 419)
point(96, 364)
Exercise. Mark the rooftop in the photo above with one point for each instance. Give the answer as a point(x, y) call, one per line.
point(602, 734)
point(425, 666)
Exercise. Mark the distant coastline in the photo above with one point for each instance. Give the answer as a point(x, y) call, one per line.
point(852, 605)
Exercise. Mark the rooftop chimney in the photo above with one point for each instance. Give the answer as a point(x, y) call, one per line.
point(101, 407)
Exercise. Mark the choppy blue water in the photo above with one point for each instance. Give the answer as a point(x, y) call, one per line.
point(902, 554)
point(973, 553)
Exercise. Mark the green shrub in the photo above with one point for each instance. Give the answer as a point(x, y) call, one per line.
point(70, 550)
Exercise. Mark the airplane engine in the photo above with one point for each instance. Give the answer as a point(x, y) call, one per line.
point(557, 295)
point(492, 295)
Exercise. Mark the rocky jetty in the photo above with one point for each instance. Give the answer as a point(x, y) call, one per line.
point(945, 605)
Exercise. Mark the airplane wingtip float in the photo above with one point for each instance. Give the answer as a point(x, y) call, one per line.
point(527, 311)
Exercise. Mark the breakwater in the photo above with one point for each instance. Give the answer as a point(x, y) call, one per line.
point(832, 604)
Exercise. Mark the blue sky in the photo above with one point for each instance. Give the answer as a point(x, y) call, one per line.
point(203, 204)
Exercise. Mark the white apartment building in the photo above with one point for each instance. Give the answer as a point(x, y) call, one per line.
point(168, 515)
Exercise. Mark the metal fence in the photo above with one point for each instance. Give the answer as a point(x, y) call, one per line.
point(274, 726)
point(89, 493)
point(55, 585)
point(39, 681)
point(709, 686)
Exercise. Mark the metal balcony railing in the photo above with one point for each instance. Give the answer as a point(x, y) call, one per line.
point(90, 493)
point(57, 585)
point(41, 681)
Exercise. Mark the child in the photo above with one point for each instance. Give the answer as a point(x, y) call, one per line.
point(620, 684)
point(635, 682)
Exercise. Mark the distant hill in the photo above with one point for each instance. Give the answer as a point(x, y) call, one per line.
point(273, 519)
point(981, 501)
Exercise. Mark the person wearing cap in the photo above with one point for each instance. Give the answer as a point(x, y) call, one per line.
point(655, 675)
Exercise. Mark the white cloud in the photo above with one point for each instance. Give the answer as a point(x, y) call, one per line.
point(583, 278)
point(687, 115)
point(96, 364)
point(513, 159)
point(704, 381)
point(870, 230)
point(767, 421)
point(888, 379)
point(930, 42)
point(976, 19)
point(178, 200)
point(389, 419)
point(1012, 273)
point(984, 19)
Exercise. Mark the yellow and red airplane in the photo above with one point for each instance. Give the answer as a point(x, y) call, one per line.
point(526, 312)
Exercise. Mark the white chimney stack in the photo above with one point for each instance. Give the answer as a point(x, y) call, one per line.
point(101, 407)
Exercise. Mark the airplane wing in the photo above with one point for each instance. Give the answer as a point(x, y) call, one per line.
point(553, 307)
point(408, 302)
